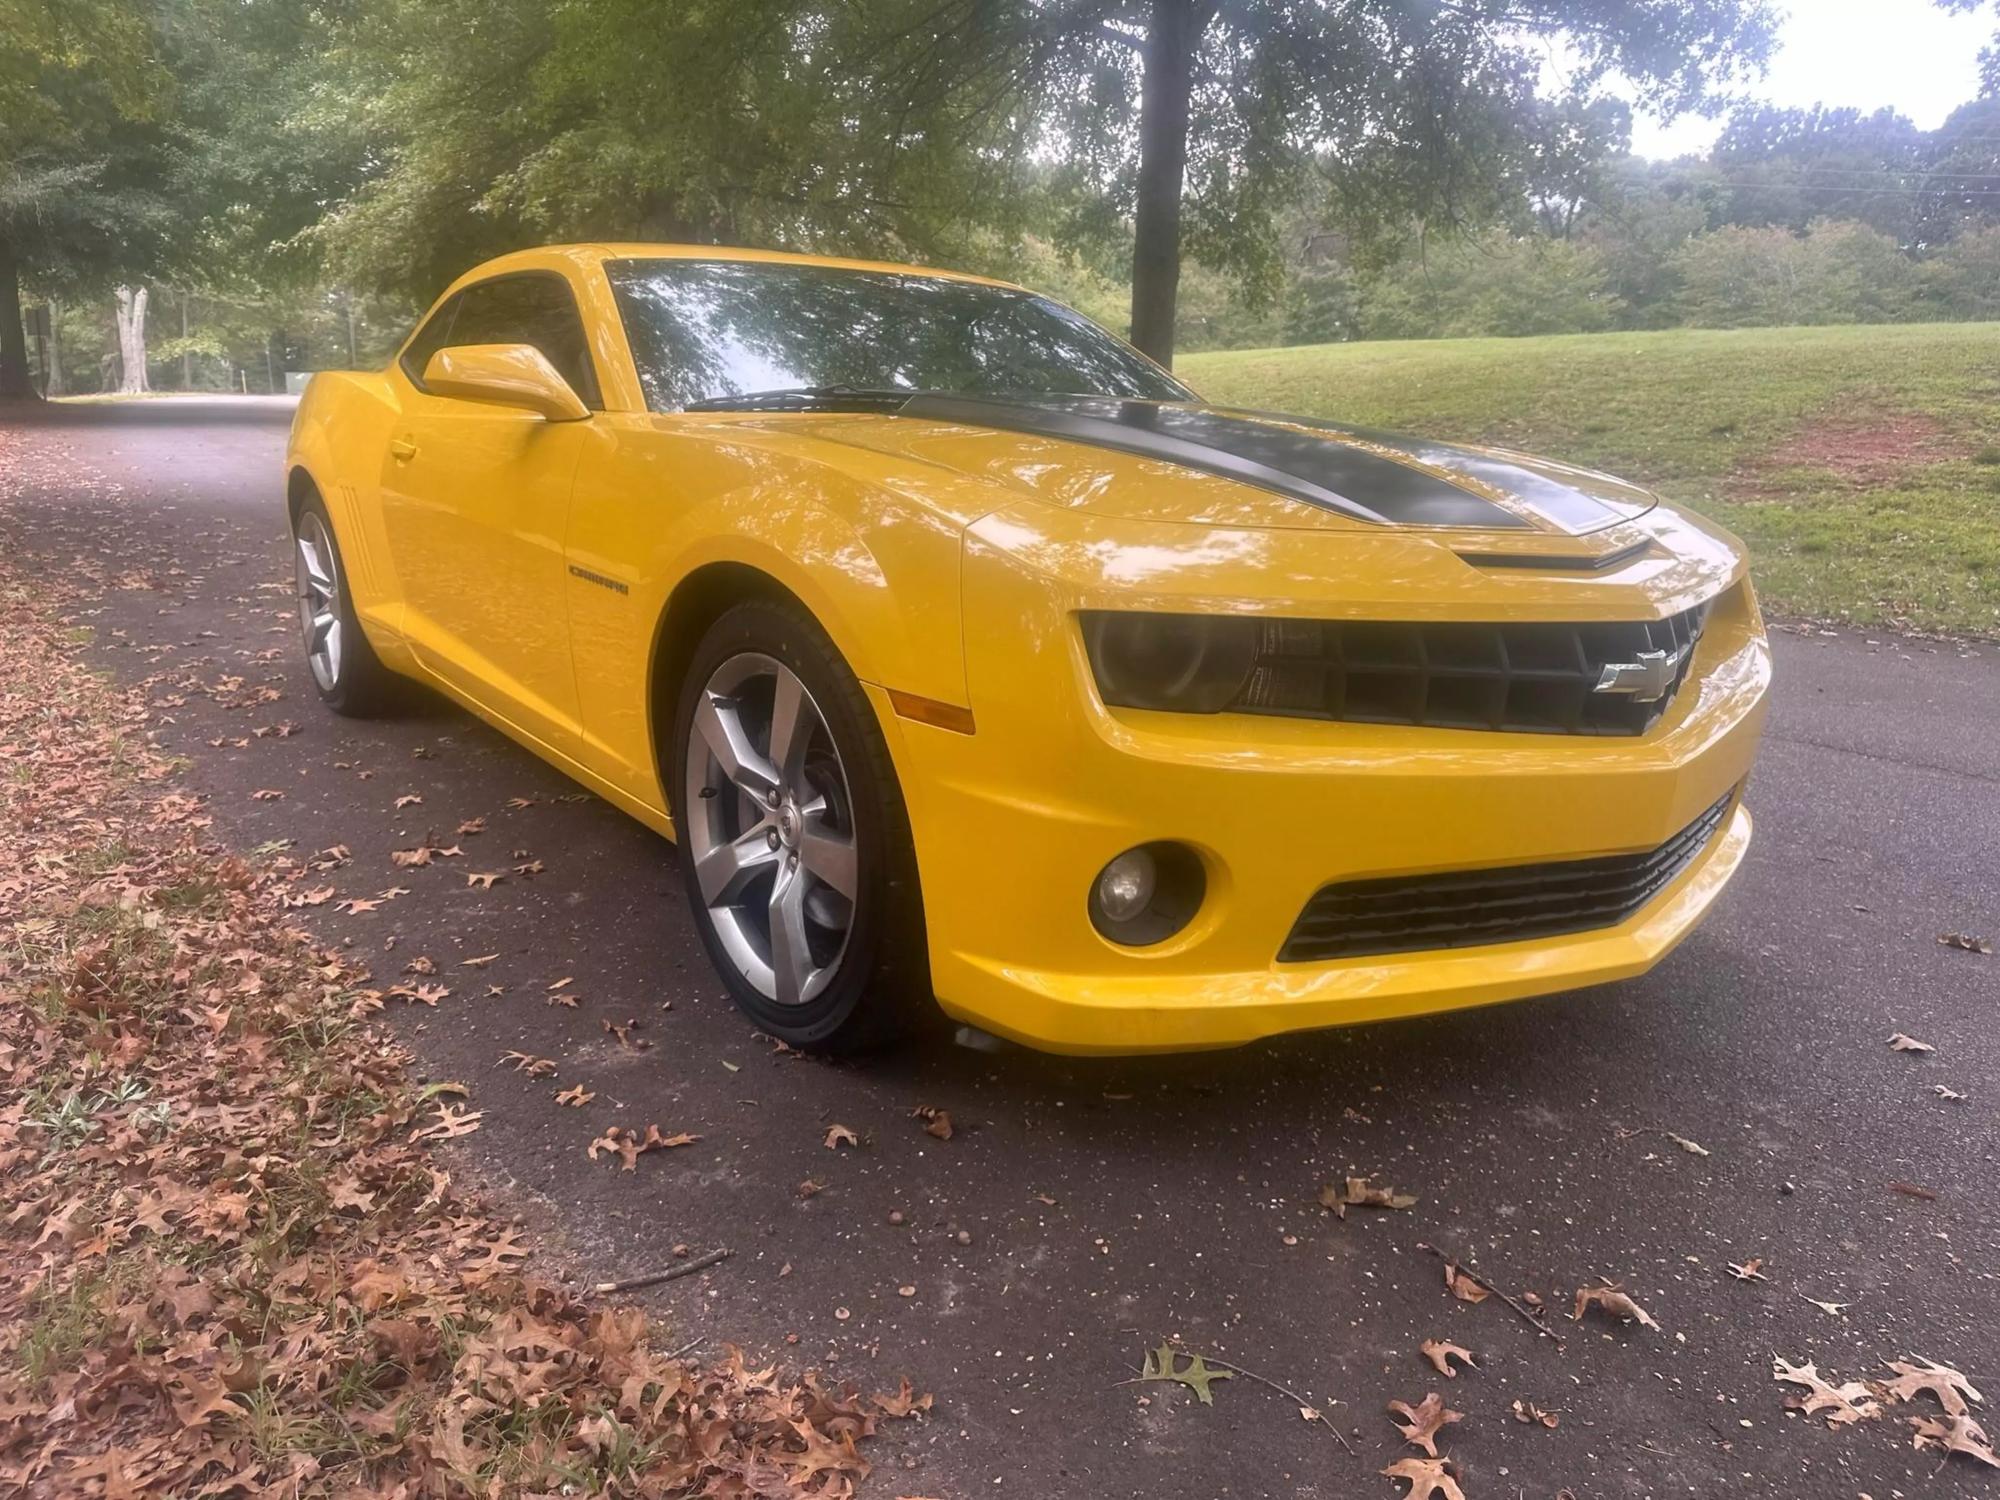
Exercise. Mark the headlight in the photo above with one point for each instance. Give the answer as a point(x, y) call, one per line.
point(1191, 664)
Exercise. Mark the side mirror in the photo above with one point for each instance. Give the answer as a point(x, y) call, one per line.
point(517, 375)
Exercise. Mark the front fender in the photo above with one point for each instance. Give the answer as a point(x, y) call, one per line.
point(878, 570)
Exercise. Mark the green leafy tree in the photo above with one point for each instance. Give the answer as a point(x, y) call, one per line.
point(1196, 120)
point(1837, 272)
point(83, 152)
point(1494, 285)
point(1963, 280)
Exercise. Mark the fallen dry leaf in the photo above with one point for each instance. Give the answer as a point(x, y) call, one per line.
point(840, 1135)
point(484, 880)
point(1441, 1354)
point(267, 794)
point(1843, 1404)
point(472, 826)
point(1945, 1091)
point(1965, 942)
point(1360, 1192)
point(1951, 1389)
point(905, 1402)
point(408, 799)
point(1527, 1411)
point(1693, 1148)
point(1611, 1300)
point(1957, 1434)
point(451, 1123)
point(575, 1098)
point(1419, 1425)
point(936, 1121)
point(477, 963)
point(527, 1062)
point(356, 905)
point(1430, 1478)
point(1901, 1043)
point(630, 1146)
point(1462, 1286)
point(1750, 1270)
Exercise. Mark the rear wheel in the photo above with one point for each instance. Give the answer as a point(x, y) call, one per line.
point(793, 841)
point(344, 667)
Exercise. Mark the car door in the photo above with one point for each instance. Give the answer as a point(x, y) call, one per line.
point(475, 500)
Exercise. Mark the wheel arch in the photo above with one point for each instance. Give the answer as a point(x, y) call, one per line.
point(299, 485)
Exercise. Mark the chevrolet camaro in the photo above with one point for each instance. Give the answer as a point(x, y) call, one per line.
point(968, 656)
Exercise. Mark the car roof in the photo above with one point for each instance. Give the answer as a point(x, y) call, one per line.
point(584, 255)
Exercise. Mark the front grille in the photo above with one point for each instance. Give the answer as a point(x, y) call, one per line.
point(1526, 678)
point(1511, 904)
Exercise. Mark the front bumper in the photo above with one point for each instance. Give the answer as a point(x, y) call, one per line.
point(1013, 823)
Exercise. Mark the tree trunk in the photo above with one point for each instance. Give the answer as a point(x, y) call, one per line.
point(53, 383)
point(14, 380)
point(1172, 33)
point(132, 340)
point(187, 359)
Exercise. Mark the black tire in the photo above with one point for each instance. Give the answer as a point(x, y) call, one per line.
point(357, 685)
point(877, 990)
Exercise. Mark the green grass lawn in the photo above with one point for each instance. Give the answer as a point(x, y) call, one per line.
point(1862, 465)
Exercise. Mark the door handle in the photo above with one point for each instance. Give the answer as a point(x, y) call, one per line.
point(402, 449)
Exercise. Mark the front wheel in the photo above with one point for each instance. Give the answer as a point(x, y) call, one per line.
point(345, 670)
point(793, 841)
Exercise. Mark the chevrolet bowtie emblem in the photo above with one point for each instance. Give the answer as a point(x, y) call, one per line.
point(1647, 680)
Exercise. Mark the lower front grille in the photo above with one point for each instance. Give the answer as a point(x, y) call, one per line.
point(1511, 904)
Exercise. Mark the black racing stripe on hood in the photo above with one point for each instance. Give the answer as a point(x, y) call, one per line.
point(1347, 480)
point(1562, 505)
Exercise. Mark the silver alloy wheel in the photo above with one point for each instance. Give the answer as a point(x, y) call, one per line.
point(770, 828)
point(319, 600)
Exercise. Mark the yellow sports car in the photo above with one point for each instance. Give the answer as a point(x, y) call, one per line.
point(964, 652)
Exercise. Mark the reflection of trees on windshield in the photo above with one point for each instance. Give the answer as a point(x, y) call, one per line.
point(706, 328)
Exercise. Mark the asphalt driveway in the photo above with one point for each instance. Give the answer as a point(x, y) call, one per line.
point(1741, 1103)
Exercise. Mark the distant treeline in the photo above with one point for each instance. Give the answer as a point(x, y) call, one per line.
point(1796, 217)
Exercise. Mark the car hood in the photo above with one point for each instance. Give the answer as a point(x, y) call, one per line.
point(1168, 461)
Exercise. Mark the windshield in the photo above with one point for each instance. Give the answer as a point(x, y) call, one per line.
point(702, 331)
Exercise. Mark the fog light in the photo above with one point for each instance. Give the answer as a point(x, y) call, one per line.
point(1126, 887)
point(1147, 894)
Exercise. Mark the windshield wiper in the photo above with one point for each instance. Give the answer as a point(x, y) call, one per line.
point(803, 397)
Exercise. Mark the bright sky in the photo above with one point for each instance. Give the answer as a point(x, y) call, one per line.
point(1906, 54)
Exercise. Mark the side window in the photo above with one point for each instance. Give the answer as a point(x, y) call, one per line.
point(432, 337)
point(536, 309)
